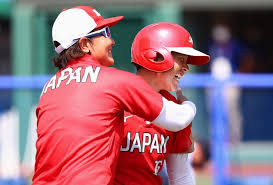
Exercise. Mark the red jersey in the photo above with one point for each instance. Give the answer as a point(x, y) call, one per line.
point(80, 122)
point(145, 147)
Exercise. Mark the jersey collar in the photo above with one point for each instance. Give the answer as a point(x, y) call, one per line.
point(86, 59)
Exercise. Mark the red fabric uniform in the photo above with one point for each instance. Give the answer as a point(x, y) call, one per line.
point(80, 122)
point(145, 147)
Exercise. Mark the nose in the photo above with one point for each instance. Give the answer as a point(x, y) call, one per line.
point(113, 41)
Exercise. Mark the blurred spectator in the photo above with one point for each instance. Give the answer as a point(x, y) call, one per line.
point(253, 37)
point(201, 155)
point(230, 55)
point(224, 44)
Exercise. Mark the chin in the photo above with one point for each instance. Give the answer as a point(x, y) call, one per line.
point(109, 63)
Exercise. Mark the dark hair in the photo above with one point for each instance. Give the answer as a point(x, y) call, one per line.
point(72, 53)
point(138, 67)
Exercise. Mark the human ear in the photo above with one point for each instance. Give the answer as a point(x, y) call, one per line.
point(85, 45)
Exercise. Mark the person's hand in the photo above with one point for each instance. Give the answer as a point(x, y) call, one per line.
point(180, 97)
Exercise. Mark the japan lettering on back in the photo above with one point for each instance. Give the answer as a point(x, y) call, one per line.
point(89, 75)
point(142, 142)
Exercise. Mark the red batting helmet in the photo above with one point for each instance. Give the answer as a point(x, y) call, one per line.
point(163, 38)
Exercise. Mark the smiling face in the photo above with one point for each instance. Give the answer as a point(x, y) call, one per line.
point(101, 49)
point(169, 80)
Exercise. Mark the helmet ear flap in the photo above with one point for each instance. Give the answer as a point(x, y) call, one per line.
point(157, 59)
point(150, 55)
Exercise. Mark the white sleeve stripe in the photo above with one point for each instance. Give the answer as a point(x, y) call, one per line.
point(175, 117)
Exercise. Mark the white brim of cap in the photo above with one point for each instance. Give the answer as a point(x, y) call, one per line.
point(196, 57)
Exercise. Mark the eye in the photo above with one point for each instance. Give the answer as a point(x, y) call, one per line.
point(184, 59)
point(181, 59)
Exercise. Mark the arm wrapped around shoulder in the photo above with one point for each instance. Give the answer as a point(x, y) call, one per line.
point(175, 117)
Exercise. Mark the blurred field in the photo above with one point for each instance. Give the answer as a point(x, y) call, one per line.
point(203, 179)
point(251, 163)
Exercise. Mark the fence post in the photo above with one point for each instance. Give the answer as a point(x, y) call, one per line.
point(22, 22)
point(219, 135)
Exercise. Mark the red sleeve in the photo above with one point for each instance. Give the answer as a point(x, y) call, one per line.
point(182, 140)
point(136, 96)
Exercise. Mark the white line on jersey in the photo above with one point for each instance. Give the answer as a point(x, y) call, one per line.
point(126, 117)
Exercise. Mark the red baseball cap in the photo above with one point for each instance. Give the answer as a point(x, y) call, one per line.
point(77, 22)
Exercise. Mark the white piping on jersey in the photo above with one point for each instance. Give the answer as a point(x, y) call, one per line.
point(126, 117)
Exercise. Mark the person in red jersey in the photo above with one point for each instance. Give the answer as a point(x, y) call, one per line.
point(80, 114)
point(161, 53)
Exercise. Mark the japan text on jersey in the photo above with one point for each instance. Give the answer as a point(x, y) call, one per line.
point(71, 74)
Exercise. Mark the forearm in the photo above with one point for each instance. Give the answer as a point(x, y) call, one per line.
point(175, 117)
point(179, 170)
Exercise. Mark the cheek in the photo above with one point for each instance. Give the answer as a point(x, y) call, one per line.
point(100, 52)
point(176, 66)
point(168, 78)
point(169, 83)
